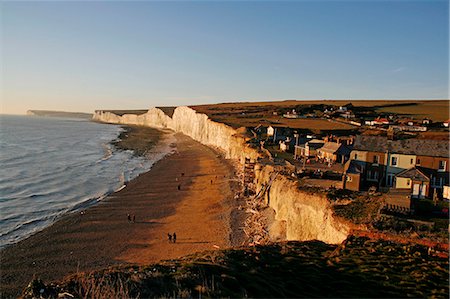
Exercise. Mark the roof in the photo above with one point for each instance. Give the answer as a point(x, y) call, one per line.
point(330, 147)
point(414, 174)
point(335, 148)
point(418, 147)
point(316, 141)
point(354, 166)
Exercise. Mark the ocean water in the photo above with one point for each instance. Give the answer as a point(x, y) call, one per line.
point(51, 166)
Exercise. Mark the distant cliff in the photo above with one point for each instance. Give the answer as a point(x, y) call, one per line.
point(48, 113)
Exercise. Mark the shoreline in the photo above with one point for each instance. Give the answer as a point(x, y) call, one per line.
point(143, 140)
point(100, 236)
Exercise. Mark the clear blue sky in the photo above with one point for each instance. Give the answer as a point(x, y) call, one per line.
point(80, 56)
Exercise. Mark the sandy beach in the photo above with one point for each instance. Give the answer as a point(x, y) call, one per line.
point(199, 212)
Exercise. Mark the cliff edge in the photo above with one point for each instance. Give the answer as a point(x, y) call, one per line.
point(298, 214)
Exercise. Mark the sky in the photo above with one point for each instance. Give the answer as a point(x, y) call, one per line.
point(82, 56)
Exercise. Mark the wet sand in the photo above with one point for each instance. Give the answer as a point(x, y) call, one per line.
point(200, 213)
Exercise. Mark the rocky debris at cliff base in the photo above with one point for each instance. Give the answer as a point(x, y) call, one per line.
point(257, 222)
point(138, 139)
point(358, 268)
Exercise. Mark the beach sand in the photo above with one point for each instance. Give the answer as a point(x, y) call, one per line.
point(200, 213)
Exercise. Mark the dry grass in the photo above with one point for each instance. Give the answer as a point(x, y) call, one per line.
point(436, 110)
point(358, 268)
point(255, 113)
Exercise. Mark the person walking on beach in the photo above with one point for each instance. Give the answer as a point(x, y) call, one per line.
point(174, 237)
point(179, 187)
point(170, 237)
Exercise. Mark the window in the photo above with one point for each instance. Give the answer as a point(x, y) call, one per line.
point(376, 159)
point(412, 161)
point(408, 182)
point(356, 156)
point(389, 180)
point(442, 165)
point(372, 175)
point(394, 161)
point(349, 179)
point(418, 162)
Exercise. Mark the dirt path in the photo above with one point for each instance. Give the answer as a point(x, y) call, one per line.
point(102, 236)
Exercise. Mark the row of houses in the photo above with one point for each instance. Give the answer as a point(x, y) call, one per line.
point(330, 149)
point(417, 167)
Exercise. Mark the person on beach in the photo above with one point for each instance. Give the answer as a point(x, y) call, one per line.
point(170, 237)
point(179, 187)
point(129, 217)
point(174, 237)
point(134, 218)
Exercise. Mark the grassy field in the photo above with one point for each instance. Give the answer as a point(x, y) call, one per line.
point(359, 268)
point(436, 110)
point(251, 114)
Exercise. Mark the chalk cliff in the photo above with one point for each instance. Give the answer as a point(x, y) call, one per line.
point(65, 114)
point(195, 125)
point(299, 215)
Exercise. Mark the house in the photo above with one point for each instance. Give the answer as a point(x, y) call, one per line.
point(285, 145)
point(446, 193)
point(312, 146)
point(342, 109)
point(426, 121)
point(346, 140)
point(307, 147)
point(438, 171)
point(380, 121)
point(407, 122)
point(409, 128)
point(416, 180)
point(386, 161)
point(278, 133)
point(353, 171)
point(347, 115)
point(334, 152)
point(291, 114)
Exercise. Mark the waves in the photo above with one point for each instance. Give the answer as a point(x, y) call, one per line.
point(55, 167)
point(108, 152)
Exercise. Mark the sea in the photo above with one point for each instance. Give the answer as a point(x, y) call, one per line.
point(53, 166)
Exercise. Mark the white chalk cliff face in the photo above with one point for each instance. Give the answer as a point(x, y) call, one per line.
point(187, 121)
point(301, 216)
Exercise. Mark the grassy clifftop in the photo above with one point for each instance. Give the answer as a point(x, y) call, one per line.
point(357, 268)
